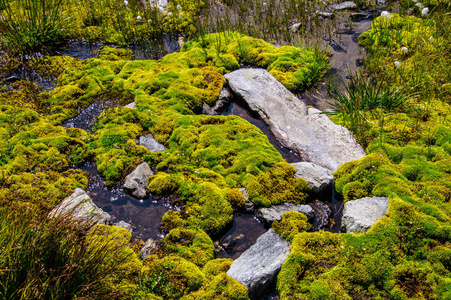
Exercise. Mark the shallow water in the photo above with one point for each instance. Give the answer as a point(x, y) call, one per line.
point(145, 215)
point(247, 229)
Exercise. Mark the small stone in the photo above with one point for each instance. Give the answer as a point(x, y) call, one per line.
point(397, 64)
point(136, 181)
point(124, 225)
point(425, 12)
point(386, 15)
point(343, 5)
point(248, 205)
point(325, 14)
point(150, 143)
point(295, 27)
point(131, 105)
point(149, 248)
point(80, 208)
point(404, 50)
point(275, 212)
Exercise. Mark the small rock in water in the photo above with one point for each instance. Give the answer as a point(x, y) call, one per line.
point(275, 212)
point(136, 181)
point(80, 208)
point(359, 215)
point(150, 143)
point(124, 225)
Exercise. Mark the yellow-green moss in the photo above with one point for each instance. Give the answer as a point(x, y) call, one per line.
point(193, 245)
point(291, 224)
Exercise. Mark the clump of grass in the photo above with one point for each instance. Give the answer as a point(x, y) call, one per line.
point(49, 259)
point(362, 96)
point(33, 27)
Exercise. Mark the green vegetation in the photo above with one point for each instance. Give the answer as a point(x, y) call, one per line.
point(399, 108)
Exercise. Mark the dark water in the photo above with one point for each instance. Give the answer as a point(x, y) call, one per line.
point(245, 230)
point(239, 110)
point(144, 215)
point(88, 116)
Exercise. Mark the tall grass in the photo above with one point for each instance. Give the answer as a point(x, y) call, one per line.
point(33, 27)
point(49, 259)
point(363, 95)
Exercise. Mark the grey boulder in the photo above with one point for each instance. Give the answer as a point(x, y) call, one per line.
point(136, 181)
point(320, 179)
point(304, 130)
point(80, 208)
point(359, 215)
point(275, 212)
point(150, 143)
point(258, 266)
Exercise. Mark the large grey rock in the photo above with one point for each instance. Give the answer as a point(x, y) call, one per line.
point(136, 181)
point(306, 131)
point(258, 266)
point(150, 143)
point(80, 208)
point(359, 215)
point(319, 178)
point(223, 101)
point(275, 212)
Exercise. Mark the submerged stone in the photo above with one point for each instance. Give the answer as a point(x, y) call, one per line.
point(80, 208)
point(124, 225)
point(304, 130)
point(275, 212)
point(136, 181)
point(258, 266)
point(150, 143)
point(319, 178)
point(359, 215)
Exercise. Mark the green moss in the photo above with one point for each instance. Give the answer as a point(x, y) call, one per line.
point(291, 224)
point(216, 266)
point(193, 245)
point(170, 277)
point(221, 287)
